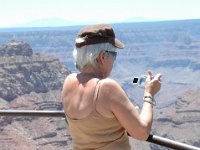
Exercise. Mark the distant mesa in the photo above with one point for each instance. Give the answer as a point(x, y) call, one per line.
point(22, 72)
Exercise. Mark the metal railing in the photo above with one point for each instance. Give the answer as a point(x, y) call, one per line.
point(48, 113)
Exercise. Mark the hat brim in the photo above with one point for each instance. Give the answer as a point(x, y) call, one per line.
point(118, 44)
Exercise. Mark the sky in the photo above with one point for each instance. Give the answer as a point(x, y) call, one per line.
point(16, 13)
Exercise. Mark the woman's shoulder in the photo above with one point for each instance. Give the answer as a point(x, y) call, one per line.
point(69, 79)
point(112, 91)
point(110, 84)
point(109, 81)
point(71, 76)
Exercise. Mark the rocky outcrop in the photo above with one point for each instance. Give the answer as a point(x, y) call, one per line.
point(16, 48)
point(31, 81)
point(22, 72)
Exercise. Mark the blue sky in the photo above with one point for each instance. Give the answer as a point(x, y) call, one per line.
point(21, 12)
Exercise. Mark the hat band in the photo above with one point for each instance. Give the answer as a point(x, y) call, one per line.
point(94, 40)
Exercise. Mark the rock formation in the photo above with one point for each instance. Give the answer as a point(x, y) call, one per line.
point(32, 82)
point(22, 72)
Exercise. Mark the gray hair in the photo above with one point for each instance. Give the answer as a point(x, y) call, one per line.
point(86, 55)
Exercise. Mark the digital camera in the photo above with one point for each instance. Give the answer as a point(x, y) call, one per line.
point(140, 81)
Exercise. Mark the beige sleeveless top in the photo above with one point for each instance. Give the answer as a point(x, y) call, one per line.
point(96, 132)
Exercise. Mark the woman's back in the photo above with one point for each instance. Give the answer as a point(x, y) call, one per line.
point(79, 97)
point(88, 128)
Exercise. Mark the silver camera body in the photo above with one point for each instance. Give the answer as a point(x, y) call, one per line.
point(140, 81)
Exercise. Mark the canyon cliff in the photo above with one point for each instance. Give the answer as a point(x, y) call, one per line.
point(32, 79)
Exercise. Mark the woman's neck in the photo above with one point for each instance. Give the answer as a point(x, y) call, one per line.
point(90, 71)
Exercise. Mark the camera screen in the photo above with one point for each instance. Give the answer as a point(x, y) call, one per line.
point(135, 80)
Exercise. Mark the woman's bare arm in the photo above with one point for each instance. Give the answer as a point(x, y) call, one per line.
point(138, 125)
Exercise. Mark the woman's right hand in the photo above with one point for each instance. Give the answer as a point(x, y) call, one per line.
point(152, 85)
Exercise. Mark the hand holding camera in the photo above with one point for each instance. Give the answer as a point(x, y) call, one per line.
point(150, 83)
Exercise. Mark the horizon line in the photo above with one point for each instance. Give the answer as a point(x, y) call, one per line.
point(83, 24)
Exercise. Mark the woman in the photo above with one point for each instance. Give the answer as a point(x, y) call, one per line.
point(98, 111)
